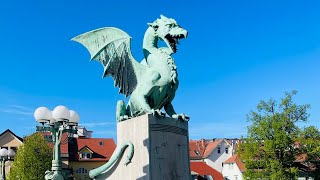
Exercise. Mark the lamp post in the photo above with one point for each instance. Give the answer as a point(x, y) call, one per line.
point(5, 155)
point(60, 120)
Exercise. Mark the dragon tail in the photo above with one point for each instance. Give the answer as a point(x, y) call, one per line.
point(114, 158)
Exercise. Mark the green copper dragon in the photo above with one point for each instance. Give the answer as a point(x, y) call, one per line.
point(152, 83)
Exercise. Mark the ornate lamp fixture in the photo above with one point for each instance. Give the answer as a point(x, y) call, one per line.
point(54, 124)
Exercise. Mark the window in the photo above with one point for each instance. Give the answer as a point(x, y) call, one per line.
point(197, 152)
point(85, 155)
point(227, 150)
point(4, 147)
point(219, 150)
point(231, 166)
point(236, 177)
point(81, 171)
point(101, 143)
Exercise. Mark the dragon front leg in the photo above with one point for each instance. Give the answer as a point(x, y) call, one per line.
point(172, 113)
point(121, 112)
point(139, 105)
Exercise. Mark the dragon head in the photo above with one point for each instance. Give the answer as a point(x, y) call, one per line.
point(169, 31)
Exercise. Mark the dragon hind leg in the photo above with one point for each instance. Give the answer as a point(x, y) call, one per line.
point(121, 112)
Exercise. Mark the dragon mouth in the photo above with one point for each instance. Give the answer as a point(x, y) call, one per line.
point(173, 40)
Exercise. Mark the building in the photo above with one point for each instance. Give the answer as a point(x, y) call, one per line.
point(213, 152)
point(79, 155)
point(233, 168)
point(217, 152)
point(86, 154)
point(83, 133)
point(200, 170)
point(207, 157)
point(9, 140)
point(196, 149)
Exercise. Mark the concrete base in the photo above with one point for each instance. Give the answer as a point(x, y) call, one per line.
point(161, 150)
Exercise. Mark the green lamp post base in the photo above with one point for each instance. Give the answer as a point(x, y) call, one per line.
point(54, 175)
point(56, 172)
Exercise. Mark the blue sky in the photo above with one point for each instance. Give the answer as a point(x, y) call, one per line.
point(237, 53)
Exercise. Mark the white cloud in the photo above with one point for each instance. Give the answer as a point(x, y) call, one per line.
point(17, 110)
point(94, 124)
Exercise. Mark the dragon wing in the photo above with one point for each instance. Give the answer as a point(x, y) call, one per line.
point(111, 47)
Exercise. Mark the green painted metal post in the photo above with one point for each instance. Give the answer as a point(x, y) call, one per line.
point(56, 130)
point(3, 169)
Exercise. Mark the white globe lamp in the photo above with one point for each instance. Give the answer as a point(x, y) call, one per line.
point(74, 118)
point(61, 114)
point(3, 152)
point(11, 153)
point(42, 115)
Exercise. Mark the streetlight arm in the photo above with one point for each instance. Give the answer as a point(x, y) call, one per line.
point(41, 129)
point(72, 131)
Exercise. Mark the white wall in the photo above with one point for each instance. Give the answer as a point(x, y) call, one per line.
point(83, 132)
point(215, 159)
point(232, 172)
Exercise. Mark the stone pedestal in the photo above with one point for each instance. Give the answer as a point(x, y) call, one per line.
point(161, 150)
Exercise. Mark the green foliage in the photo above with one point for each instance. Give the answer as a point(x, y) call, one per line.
point(33, 158)
point(310, 144)
point(269, 151)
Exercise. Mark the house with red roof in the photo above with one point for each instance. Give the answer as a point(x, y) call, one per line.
point(205, 171)
point(233, 168)
point(81, 153)
point(196, 149)
point(86, 154)
point(216, 153)
point(213, 152)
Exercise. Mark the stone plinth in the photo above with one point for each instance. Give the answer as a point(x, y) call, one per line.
point(161, 150)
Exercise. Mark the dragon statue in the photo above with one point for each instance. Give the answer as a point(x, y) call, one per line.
point(151, 84)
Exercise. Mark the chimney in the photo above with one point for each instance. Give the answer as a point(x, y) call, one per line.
point(203, 143)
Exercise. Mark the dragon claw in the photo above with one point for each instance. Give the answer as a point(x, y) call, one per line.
point(181, 116)
point(122, 118)
point(157, 112)
point(127, 162)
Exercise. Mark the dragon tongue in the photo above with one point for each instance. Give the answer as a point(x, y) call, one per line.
point(176, 40)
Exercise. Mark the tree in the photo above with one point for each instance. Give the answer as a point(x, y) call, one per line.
point(269, 150)
point(33, 158)
point(309, 140)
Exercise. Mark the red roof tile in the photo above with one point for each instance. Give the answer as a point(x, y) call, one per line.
point(301, 158)
point(102, 152)
point(203, 169)
point(211, 146)
point(196, 146)
point(235, 159)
